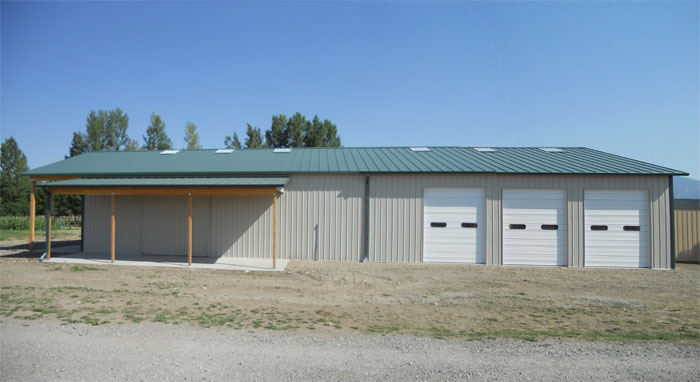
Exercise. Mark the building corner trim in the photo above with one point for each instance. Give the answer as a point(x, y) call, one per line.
point(672, 222)
point(365, 223)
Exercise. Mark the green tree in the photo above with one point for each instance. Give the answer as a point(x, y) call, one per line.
point(78, 145)
point(314, 135)
point(296, 128)
point(232, 143)
point(254, 138)
point(133, 145)
point(156, 138)
point(321, 134)
point(105, 130)
point(330, 134)
point(14, 188)
point(277, 135)
point(297, 131)
point(191, 137)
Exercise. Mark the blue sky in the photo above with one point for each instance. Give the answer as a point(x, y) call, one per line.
point(619, 77)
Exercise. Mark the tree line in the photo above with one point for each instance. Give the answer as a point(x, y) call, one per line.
point(296, 131)
point(106, 130)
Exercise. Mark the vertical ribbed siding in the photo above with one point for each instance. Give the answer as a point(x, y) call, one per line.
point(241, 226)
point(321, 218)
point(687, 232)
point(201, 219)
point(147, 224)
point(493, 222)
point(97, 224)
point(165, 225)
point(396, 227)
point(128, 223)
point(396, 213)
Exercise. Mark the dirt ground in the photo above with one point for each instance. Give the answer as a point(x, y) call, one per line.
point(49, 351)
point(440, 301)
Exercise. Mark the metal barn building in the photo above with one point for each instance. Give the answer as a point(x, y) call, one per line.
point(569, 206)
point(687, 230)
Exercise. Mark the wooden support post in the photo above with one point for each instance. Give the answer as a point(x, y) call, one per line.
point(274, 231)
point(113, 233)
point(189, 229)
point(48, 227)
point(32, 217)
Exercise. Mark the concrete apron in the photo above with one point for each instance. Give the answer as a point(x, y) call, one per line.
point(164, 261)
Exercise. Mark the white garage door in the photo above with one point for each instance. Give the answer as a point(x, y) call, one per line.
point(617, 229)
point(453, 226)
point(534, 227)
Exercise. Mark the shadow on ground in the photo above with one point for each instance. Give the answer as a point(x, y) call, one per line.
point(21, 250)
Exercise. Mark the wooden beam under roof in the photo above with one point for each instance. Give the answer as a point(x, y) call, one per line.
point(184, 191)
point(50, 178)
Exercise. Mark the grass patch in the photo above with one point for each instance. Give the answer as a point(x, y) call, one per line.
point(381, 329)
point(20, 234)
point(83, 268)
point(7, 234)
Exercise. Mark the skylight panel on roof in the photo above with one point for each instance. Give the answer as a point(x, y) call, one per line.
point(169, 152)
point(282, 150)
point(484, 149)
point(224, 151)
point(419, 149)
point(551, 149)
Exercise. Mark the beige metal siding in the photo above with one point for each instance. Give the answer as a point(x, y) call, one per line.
point(201, 222)
point(687, 232)
point(164, 225)
point(396, 211)
point(147, 224)
point(97, 224)
point(396, 214)
point(129, 223)
point(321, 217)
point(241, 226)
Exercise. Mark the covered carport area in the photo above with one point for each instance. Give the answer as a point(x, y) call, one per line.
point(187, 188)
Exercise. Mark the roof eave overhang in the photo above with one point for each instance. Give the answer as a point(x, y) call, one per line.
point(52, 177)
point(165, 190)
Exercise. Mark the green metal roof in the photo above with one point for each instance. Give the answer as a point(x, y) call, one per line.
point(169, 182)
point(687, 204)
point(505, 160)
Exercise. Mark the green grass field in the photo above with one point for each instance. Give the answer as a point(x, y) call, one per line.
point(20, 234)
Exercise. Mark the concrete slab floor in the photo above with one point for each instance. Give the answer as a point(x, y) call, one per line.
point(222, 263)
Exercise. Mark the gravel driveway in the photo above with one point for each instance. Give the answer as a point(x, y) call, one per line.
point(43, 350)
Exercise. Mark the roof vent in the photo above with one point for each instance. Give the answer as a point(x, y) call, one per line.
point(484, 149)
point(282, 150)
point(224, 151)
point(419, 149)
point(169, 152)
point(551, 149)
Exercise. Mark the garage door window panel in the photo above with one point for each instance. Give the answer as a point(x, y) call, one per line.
point(525, 213)
point(625, 243)
point(445, 240)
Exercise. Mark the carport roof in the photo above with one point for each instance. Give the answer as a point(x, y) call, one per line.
point(358, 160)
point(168, 182)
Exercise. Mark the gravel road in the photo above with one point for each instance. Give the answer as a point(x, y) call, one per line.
point(43, 350)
